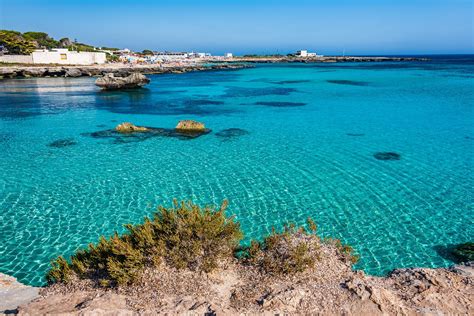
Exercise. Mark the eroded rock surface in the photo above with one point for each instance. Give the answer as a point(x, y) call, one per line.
point(190, 125)
point(127, 127)
point(111, 82)
point(13, 294)
point(331, 287)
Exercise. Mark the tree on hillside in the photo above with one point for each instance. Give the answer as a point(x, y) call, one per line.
point(43, 39)
point(147, 52)
point(16, 43)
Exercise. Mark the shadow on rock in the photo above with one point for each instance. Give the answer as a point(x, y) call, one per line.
point(63, 143)
point(122, 138)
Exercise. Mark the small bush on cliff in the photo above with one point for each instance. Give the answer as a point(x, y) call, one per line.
point(184, 236)
point(290, 251)
point(346, 252)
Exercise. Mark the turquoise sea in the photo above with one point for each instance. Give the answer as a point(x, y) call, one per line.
point(288, 141)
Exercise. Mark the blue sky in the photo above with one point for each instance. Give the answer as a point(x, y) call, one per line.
point(244, 26)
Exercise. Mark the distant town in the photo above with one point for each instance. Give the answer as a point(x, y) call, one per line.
point(40, 48)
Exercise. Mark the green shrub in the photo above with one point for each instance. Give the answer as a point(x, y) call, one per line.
point(60, 270)
point(290, 251)
point(345, 251)
point(185, 236)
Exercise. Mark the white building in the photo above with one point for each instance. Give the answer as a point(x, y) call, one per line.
point(228, 55)
point(63, 56)
point(302, 53)
point(305, 53)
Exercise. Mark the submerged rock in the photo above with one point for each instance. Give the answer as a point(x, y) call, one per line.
point(349, 82)
point(190, 125)
point(231, 133)
point(63, 143)
point(355, 134)
point(464, 252)
point(280, 104)
point(127, 127)
point(387, 156)
point(110, 82)
point(147, 133)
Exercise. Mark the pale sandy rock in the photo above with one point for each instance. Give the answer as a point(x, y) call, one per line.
point(73, 72)
point(14, 293)
point(190, 125)
point(111, 82)
point(128, 127)
point(330, 288)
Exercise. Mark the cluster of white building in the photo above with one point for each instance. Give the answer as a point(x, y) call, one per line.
point(306, 54)
point(162, 57)
point(63, 56)
point(60, 56)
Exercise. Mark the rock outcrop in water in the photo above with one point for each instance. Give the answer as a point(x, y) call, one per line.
point(128, 133)
point(110, 82)
point(127, 127)
point(190, 125)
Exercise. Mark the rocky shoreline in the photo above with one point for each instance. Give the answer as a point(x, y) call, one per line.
point(122, 70)
point(330, 288)
point(119, 70)
point(324, 59)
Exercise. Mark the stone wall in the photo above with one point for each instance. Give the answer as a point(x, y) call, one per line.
point(16, 59)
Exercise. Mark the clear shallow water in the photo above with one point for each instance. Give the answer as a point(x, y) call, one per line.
point(310, 133)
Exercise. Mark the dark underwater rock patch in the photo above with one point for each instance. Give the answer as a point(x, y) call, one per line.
point(355, 134)
point(198, 102)
point(291, 81)
point(240, 92)
point(349, 82)
point(280, 104)
point(175, 106)
point(101, 125)
point(63, 143)
point(231, 133)
point(387, 155)
point(172, 91)
point(122, 138)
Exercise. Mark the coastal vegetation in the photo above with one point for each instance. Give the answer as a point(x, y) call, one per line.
point(24, 43)
point(187, 236)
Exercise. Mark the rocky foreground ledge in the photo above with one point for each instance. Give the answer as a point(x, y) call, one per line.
point(330, 288)
point(119, 70)
point(188, 260)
